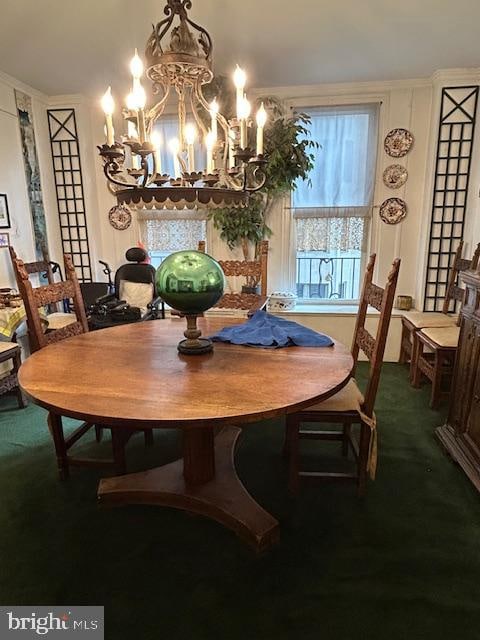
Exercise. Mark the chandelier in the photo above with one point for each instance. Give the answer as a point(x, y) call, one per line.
point(178, 59)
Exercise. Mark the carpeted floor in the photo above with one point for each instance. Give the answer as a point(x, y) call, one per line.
point(404, 563)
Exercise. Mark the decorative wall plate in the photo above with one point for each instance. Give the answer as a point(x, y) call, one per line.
point(398, 143)
point(393, 210)
point(120, 217)
point(395, 176)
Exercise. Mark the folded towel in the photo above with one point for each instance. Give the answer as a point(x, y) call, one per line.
point(265, 330)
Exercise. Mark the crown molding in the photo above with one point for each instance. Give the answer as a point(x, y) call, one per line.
point(18, 84)
point(455, 76)
point(66, 100)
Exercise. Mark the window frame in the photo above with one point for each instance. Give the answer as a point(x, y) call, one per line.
point(373, 231)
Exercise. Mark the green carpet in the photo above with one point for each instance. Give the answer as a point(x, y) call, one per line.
point(404, 563)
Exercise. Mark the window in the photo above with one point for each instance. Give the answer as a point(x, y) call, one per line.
point(164, 232)
point(332, 214)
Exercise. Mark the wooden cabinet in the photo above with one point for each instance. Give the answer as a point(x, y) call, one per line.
point(461, 433)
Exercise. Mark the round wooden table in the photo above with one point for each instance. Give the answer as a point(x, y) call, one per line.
point(133, 377)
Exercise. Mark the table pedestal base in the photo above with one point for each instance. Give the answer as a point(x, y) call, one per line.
point(222, 498)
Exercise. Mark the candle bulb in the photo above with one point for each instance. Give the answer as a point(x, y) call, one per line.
point(175, 149)
point(138, 102)
point(136, 66)
point(108, 107)
point(156, 140)
point(261, 121)
point(244, 113)
point(214, 108)
point(231, 148)
point(210, 143)
point(190, 135)
point(239, 79)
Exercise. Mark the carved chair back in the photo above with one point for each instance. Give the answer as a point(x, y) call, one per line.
point(455, 292)
point(255, 270)
point(374, 348)
point(35, 298)
point(42, 268)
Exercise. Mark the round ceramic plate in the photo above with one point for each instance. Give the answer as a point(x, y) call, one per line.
point(395, 176)
point(393, 210)
point(398, 143)
point(120, 217)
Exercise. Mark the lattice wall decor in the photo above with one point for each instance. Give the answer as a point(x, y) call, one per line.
point(69, 185)
point(452, 172)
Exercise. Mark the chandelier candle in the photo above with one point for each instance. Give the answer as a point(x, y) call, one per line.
point(178, 62)
point(108, 106)
point(190, 135)
point(261, 121)
point(155, 139)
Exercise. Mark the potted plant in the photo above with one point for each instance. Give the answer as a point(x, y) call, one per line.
point(288, 150)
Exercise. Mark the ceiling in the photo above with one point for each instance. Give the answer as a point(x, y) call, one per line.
point(81, 46)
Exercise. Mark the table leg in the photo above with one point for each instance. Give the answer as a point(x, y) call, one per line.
point(204, 482)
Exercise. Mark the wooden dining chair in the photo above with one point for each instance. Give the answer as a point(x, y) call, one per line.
point(435, 347)
point(58, 314)
point(254, 270)
point(349, 406)
point(35, 298)
point(414, 321)
point(11, 352)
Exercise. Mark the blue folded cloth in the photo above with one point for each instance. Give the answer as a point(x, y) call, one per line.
point(265, 330)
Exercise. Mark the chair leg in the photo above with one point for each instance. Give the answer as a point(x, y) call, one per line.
point(148, 434)
point(417, 353)
point(363, 451)
point(346, 439)
point(437, 380)
point(56, 429)
point(17, 361)
point(293, 438)
point(403, 357)
point(119, 440)
point(98, 432)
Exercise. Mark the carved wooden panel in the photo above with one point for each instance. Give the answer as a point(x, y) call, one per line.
point(366, 342)
point(241, 268)
point(53, 293)
point(374, 295)
point(73, 329)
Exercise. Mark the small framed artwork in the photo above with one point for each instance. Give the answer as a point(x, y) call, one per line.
point(4, 214)
point(4, 240)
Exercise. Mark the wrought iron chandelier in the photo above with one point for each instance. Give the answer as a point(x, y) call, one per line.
point(179, 63)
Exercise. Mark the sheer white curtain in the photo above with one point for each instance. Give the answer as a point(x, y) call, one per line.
point(331, 212)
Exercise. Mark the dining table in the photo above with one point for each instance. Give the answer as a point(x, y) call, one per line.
point(133, 377)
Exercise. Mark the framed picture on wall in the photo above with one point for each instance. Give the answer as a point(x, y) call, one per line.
point(4, 240)
point(4, 214)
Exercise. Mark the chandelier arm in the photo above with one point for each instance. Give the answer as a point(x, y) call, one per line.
point(161, 29)
point(156, 111)
point(196, 116)
point(259, 182)
point(113, 166)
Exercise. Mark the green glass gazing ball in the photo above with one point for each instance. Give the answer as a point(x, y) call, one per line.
point(190, 281)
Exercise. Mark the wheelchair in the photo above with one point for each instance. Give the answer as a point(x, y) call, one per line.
point(130, 297)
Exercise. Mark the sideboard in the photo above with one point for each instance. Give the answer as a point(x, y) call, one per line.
point(461, 433)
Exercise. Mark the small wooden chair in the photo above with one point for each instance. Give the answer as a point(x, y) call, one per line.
point(414, 321)
point(55, 319)
point(349, 406)
point(434, 347)
point(9, 379)
point(255, 269)
point(34, 298)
